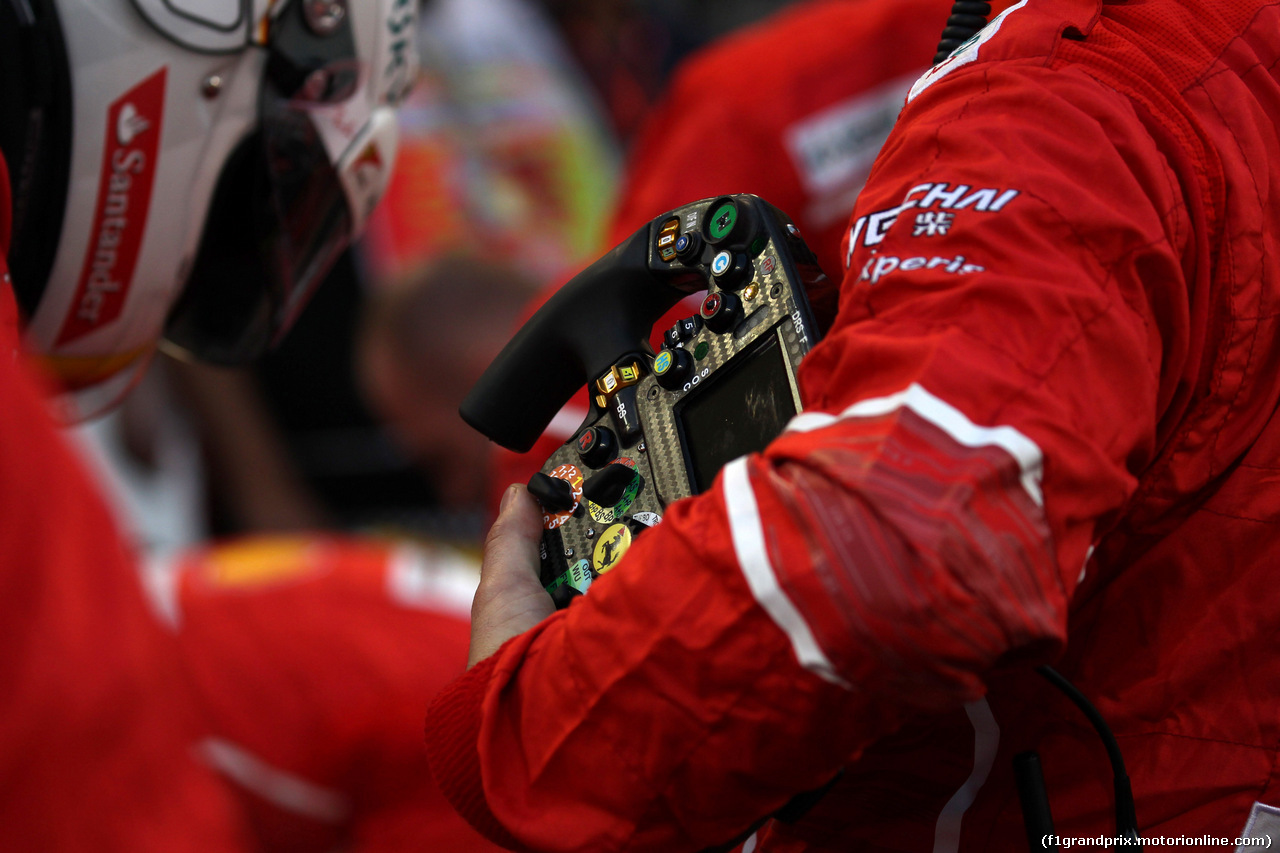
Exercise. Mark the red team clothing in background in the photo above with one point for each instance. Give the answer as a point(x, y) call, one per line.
point(1042, 428)
point(264, 696)
point(311, 658)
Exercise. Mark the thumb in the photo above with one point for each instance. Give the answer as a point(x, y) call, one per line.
point(515, 538)
point(510, 598)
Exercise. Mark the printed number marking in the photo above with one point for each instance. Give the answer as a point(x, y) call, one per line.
point(698, 378)
point(799, 324)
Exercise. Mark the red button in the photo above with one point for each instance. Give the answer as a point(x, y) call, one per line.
point(711, 305)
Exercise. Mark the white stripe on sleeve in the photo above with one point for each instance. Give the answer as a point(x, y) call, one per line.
point(950, 420)
point(753, 558)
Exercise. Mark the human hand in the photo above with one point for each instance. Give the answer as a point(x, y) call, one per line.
point(510, 599)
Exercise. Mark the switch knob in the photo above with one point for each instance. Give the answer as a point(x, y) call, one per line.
point(720, 311)
point(672, 367)
point(554, 494)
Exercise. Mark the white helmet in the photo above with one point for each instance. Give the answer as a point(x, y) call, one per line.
point(189, 168)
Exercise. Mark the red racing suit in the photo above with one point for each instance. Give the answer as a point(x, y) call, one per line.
point(95, 722)
point(1042, 429)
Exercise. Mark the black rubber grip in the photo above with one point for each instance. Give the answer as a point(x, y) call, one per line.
point(599, 316)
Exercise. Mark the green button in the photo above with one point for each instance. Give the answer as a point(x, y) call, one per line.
point(722, 220)
point(700, 351)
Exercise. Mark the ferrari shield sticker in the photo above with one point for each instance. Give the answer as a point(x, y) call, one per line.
point(612, 545)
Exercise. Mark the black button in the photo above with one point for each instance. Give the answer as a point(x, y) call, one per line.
point(554, 494)
point(720, 311)
point(688, 247)
point(731, 270)
point(672, 367)
point(597, 446)
point(626, 417)
point(671, 337)
point(721, 220)
point(730, 223)
point(606, 486)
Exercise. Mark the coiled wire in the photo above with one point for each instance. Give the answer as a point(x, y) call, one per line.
point(967, 17)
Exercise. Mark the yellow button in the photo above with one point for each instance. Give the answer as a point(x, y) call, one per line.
point(667, 239)
point(629, 374)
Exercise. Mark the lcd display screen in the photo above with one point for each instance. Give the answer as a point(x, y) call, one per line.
point(739, 410)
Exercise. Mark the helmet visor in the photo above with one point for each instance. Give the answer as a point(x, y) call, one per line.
point(278, 222)
point(280, 216)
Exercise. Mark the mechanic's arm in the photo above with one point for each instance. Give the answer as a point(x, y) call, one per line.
point(985, 404)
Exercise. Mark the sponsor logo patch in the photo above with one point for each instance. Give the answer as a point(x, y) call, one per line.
point(878, 267)
point(935, 198)
point(120, 216)
point(401, 68)
point(932, 224)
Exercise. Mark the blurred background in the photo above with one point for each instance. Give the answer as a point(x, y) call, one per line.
point(507, 170)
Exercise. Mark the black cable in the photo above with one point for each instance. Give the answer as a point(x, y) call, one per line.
point(796, 808)
point(1126, 815)
point(967, 17)
point(1037, 818)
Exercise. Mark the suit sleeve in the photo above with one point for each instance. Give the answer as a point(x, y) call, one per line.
point(1014, 324)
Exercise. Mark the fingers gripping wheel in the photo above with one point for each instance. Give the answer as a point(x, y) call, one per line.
point(660, 425)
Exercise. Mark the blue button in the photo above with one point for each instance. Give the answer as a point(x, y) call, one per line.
point(720, 263)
